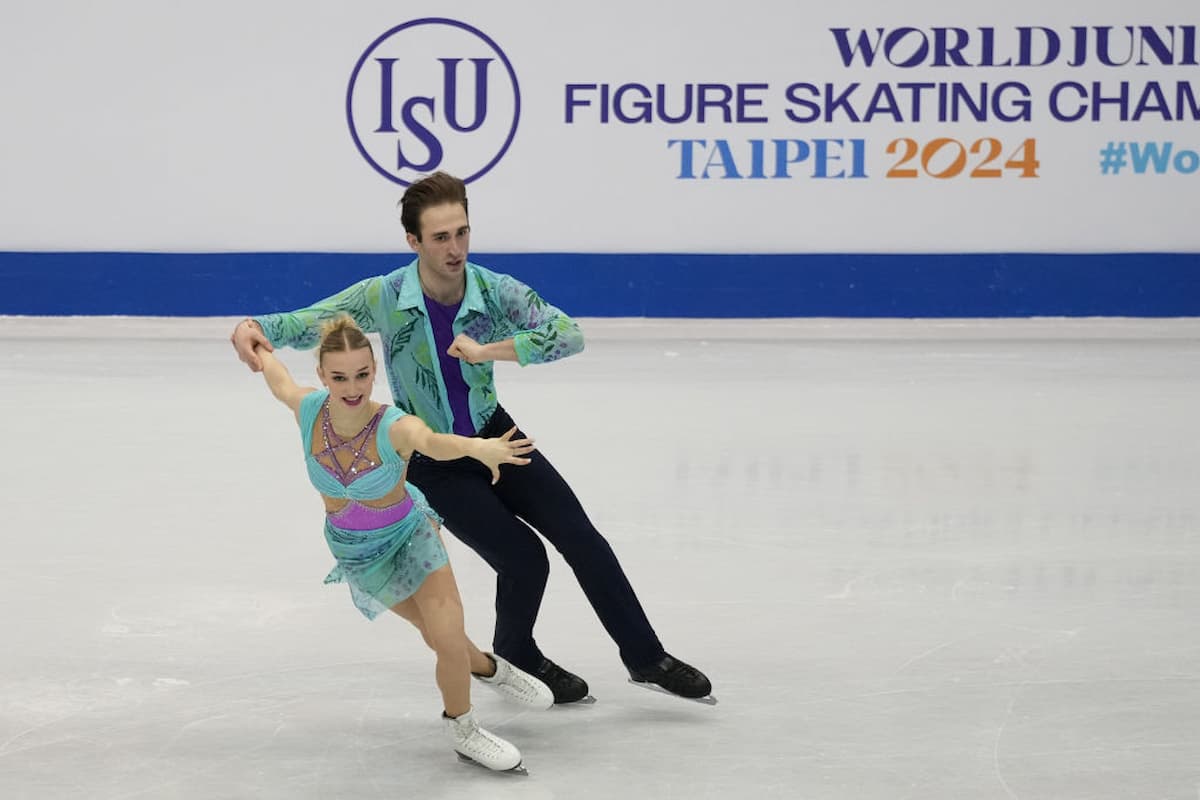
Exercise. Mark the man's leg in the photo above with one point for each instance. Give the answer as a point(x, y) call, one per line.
point(462, 493)
point(539, 495)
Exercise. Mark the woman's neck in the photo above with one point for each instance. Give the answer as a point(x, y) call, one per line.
point(349, 421)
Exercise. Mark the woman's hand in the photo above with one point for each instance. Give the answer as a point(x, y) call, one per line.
point(248, 340)
point(503, 450)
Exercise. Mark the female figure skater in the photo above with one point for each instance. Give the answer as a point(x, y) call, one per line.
point(384, 534)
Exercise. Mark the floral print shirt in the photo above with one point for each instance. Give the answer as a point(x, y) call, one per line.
point(495, 307)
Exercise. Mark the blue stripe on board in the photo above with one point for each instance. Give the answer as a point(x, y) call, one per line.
point(623, 285)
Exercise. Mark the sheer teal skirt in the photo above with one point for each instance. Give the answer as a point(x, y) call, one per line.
point(384, 566)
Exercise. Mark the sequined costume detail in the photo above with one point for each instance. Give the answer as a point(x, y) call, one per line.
point(383, 553)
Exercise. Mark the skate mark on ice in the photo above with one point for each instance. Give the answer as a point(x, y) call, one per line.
point(1012, 702)
point(922, 656)
point(848, 589)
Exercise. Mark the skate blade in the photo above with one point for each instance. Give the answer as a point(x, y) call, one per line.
point(519, 769)
point(709, 700)
point(586, 700)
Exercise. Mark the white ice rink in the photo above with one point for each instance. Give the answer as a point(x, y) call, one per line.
point(917, 559)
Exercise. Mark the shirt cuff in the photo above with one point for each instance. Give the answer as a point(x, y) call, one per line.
point(526, 353)
point(266, 329)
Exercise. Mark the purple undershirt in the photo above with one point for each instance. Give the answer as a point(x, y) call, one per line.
point(441, 319)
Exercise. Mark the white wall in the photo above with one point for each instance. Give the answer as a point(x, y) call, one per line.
point(221, 125)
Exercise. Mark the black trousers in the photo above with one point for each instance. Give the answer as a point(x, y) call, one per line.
point(498, 523)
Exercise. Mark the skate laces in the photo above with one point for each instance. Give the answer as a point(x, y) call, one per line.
point(673, 674)
point(565, 686)
point(552, 673)
point(683, 671)
point(482, 740)
point(514, 680)
point(504, 675)
point(463, 727)
point(471, 737)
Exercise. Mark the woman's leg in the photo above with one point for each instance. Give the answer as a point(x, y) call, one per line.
point(439, 607)
point(480, 663)
point(436, 611)
point(462, 492)
point(509, 681)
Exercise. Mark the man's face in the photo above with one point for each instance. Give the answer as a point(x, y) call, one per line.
point(445, 239)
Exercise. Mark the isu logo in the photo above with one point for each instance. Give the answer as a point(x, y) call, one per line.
point(433, 94)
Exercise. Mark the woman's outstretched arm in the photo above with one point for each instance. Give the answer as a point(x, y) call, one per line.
point(410, 433)
point(280, 381)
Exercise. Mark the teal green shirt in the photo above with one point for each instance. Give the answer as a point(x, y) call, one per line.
point(495, 307)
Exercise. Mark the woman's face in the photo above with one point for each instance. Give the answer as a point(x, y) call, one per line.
point(349, 376)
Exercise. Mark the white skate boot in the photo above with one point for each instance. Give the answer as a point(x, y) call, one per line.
point(518, 685)
point(473, 743)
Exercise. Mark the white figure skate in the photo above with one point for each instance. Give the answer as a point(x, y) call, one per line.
point(518, 685)
point(480, 746)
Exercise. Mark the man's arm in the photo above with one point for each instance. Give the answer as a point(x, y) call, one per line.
point(539, 332)
point(473, 352)
point(301, 329)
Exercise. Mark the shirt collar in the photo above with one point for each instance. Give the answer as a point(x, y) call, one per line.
point(411, 296)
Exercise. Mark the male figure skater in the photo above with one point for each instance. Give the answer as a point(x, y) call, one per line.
point(443, 322)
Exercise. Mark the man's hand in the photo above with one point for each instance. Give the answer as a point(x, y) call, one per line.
point(467, 349)
point(245, 338)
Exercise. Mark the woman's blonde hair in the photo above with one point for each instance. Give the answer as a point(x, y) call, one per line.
point(342, 334)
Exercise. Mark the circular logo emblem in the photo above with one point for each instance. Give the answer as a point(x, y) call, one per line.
point(433, 94)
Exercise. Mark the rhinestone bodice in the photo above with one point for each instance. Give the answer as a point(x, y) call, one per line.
point(359, 453)
point(368, 467)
